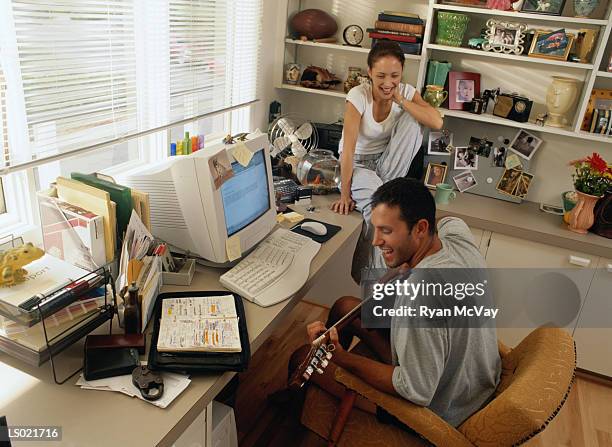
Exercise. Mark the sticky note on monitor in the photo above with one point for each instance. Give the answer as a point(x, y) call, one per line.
point(242, 154)
point(232, 248)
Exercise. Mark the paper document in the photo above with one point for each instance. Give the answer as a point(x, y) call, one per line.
point(174, 384)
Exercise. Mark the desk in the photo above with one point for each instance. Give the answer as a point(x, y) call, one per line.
point(28, 395)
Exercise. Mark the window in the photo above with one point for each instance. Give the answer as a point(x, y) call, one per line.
point(80, 73)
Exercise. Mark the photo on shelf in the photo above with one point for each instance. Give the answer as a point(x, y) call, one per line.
point(465, 158)
point(436, 173)
point(504, 37)
point(553, 7)
point(439, 142)
point(465, 181)
point(463, 88)
point(499, 156)
point(525, 144)
point(551, 45)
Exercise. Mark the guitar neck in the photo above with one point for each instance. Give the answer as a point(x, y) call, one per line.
point(342, 322)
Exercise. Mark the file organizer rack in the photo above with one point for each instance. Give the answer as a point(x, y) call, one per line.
point(44, 307)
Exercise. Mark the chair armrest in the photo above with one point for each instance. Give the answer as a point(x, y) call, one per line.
point(421, 419)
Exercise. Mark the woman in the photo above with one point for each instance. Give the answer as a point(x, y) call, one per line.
point(382, 124)
point(382, 131)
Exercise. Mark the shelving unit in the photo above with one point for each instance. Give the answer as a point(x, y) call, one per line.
point(521, 15)
point(590, 71)
point(512, 57)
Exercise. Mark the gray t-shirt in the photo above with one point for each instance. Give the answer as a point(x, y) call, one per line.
point(452, 370)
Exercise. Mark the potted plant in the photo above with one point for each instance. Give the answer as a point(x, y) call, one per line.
point(592, 179)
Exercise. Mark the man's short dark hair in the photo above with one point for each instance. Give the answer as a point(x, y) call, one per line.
point(413, 198)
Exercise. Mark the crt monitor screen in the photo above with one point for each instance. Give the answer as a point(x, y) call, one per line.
point(245, 196)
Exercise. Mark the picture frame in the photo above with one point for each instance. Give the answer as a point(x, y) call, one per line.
point(472, 3)
point(464, 181)
point(549, 7)
point(481, 146)
point(504, 37)
point(436, 173)
point(463, 87)
point(508, 181)
point(610, 63)
point(440, 142)
point(525, 144)
point(554, 45)
point(597, 99)
point(465, 158)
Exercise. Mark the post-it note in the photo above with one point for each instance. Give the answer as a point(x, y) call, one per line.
point(242, 154)
point(232, 248)
point(513, 162)
point(294, 217)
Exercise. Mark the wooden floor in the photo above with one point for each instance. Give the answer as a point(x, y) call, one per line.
point(584, 421)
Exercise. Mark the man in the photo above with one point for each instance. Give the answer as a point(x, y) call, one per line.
point(453, 371)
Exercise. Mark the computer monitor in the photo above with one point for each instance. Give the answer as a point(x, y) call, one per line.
point(198, 203)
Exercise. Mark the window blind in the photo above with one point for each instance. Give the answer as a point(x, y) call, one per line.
point(93, 71)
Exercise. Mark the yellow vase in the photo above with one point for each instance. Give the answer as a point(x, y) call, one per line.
point(435, 95)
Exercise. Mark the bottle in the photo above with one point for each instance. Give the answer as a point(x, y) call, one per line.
point(179, 148)
point(172, 149)
point(131, 312)
point(187, 144)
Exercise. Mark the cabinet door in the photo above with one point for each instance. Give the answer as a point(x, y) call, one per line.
point(594, 329)
point(536, 284)
point(195, 435)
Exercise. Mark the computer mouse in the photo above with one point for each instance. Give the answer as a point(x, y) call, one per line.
point(315, 228)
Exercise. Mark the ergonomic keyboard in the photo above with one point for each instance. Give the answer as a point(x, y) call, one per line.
point(275, 270)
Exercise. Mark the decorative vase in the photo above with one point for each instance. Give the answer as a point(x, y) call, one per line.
point(560, 98)
point(583, 8)
point(435, 95)
point(451, 28)
point(582, 216)
point(437, 72)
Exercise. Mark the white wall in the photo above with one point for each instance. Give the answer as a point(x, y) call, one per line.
point(552, 175)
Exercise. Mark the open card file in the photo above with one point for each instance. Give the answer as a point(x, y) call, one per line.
point(201, 324)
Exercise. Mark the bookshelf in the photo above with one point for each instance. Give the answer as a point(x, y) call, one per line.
point(590, 72)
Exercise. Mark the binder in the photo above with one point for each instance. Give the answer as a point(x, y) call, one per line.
point(119, 194)
point(193, 362)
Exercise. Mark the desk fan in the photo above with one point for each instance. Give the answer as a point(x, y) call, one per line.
point(292, 134)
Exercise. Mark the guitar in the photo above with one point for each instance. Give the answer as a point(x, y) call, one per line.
point(321, 351)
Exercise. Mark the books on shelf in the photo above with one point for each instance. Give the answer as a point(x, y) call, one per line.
point(397, 38)
point(398, 17)
point(401, 27)
point(407, 48)
point(199, 324)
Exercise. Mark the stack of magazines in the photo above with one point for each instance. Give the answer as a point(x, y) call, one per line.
point(402, 27)
point(68, 298)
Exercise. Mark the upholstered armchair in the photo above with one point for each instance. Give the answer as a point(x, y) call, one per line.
point(536, 379)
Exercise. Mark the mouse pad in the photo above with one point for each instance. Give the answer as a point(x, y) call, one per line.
point(331, 231)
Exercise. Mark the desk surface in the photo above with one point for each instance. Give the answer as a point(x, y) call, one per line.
point(28, 395)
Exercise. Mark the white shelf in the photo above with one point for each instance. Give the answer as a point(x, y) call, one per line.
point(492, 119)
point(329, 92)
point(513, 57)
point(522, 15)
point(604, 74)
point(335, 46)
point(595, 137)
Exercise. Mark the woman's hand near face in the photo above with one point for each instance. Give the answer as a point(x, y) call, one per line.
point(397, 96)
